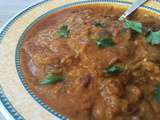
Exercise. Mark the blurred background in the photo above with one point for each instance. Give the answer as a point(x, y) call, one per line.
point(8, 8)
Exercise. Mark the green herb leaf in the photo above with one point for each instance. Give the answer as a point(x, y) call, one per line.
point(133, 25)
point(63, 31)
point(50, 79)
point(113, 69)
point(98, 24)
point(104, 42)
point(153, 38)
point(157, 94)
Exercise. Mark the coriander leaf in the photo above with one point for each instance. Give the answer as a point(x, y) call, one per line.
point(105, 42)
point(50, 79)
point(98, 24)
point(133, 25)
point(63, 31)
point(157, 94)
point(153, 38)
point(113, 69)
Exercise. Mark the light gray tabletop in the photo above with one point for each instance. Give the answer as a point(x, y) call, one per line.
point(8, 8)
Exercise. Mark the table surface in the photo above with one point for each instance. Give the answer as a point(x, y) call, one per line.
point(8, 8)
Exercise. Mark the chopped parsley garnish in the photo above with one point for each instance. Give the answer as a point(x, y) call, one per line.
point(133, 25)
point(153, 38)
point(63, 31)
point(50, 79)
point(157, 94)
point(113, 69)
point(98, 24)
point(105, 42)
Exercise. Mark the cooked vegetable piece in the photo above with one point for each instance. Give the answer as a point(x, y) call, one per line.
point(63, 31)
point(113, 69)
point(98, 24)
point(105, 42)
point(133, 25)
point(153, 38)
point(157, 94)
point(50, 79)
